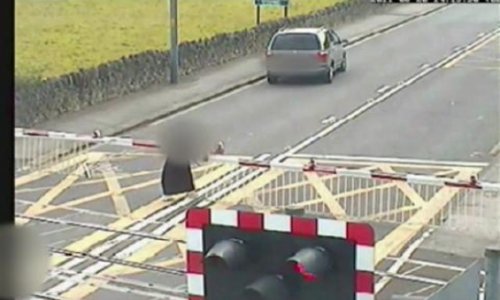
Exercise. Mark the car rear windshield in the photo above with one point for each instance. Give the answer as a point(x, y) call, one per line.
point(296, 41)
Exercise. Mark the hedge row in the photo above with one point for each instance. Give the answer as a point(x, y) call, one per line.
point(37, 101)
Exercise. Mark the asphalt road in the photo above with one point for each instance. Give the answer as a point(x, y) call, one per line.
point(450, 114)
point(266, 119)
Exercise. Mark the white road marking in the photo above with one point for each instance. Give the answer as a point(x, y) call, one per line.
point(401, 261)
point(260, 82)
point(59, 243)
point(329, 120)
point(59, 230)
point(383, 89)
point(382, 97)
point(471, 50)
point(495, 150)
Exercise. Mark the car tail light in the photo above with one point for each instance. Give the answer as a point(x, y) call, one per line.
point(322, 57)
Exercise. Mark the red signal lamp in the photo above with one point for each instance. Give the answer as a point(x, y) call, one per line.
point(310, 264)
point(302, 272)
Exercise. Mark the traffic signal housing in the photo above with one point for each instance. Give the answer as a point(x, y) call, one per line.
point(252, 256)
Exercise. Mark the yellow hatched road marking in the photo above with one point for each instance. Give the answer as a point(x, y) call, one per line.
point(248, 190)
point(395, 241)
point(215, 174)
point(98, 196)
point(306, 182)
point(384, 214)
point(141, 213)
point(48, 197)
point(119, 200)
point(92, 181)
point(118, 270)
point(83, 290)
point(154, 247)
point(348, 194)
point(37, 175)
point(404, 187)
point(328, 199)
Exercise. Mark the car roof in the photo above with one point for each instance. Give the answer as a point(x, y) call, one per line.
point(314, 30)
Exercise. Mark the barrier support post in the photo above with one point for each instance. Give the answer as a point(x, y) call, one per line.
point(492, 280)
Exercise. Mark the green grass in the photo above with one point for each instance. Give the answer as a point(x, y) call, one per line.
point(56, 37)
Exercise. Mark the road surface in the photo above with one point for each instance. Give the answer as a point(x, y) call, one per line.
point(426, 90)
point(452, 104)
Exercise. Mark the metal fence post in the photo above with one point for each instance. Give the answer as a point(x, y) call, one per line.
point(492, 280)
point(174, 44)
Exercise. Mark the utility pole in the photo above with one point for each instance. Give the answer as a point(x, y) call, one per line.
point(174, 43)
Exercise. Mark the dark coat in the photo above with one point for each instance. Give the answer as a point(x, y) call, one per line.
point(176, 178)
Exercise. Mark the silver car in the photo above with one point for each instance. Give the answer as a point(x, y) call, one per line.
point(317, 52)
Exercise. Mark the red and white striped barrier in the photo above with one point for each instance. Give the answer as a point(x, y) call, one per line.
point(95, 138)
point(311, 167)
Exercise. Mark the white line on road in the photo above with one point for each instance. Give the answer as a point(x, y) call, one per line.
point(401, 261)
point(328, 120)
point(59, 230)
point(383, 89)
point(382, 97)
point(495, 150)
point(469, 51)
point(238, 90)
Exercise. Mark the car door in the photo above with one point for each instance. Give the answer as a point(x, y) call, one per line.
point(338, 48)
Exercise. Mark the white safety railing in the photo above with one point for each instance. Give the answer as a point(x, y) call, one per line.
point(461, 204)
point(53, 151)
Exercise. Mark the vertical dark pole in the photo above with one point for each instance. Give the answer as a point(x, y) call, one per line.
point(258, 14)
point(286, 11)
point(492, 268)
point(174, 44)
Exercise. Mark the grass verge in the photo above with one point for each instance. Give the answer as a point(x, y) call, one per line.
point(56, 37)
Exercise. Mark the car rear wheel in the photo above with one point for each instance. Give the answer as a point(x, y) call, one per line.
point(329, 74)
point(343, 66)
point(271, 79)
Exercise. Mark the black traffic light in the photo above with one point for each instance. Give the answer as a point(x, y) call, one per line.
point(252, 256)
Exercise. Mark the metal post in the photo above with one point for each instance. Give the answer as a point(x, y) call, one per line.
point(286, 11)
point(492, 280)
point(174, 44)
point(258, 14)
